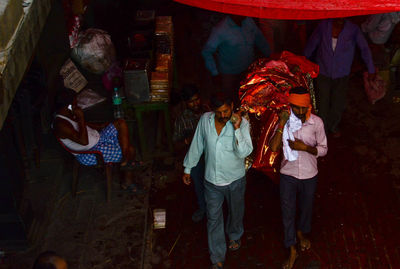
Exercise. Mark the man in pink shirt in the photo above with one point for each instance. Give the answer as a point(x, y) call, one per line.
point(301, 136)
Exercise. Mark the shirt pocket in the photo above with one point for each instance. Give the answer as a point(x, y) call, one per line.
point(227, 143)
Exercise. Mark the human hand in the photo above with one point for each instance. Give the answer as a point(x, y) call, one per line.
point(283, 117)
point(371, 76)
point(297, 144)
point(78, 113)
point(236, 119)
point(186, 179)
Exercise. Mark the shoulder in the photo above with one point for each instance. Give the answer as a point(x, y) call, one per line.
point(317, 121)
point(221, 25)
point(249, 21)
point(321, 28)
point(180, 118)
point(62, 128)
point(59, 122)
point(352, 27)
point(324, 23)
point(206, 116)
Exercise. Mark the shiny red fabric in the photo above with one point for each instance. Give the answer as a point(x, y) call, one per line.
point(264, 92)
point(297, 9)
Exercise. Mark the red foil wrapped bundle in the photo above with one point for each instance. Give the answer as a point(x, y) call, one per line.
point(264, 93)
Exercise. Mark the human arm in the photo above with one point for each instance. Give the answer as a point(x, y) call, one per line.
point(297, 144)
point(242, 145)
point(195, 151)
point(321, 145)
point(179, 128)
point(183, 133)
point(275, 143)
point(261, 42)
point(209, 49)
point(313, 42)
point(365, 51)
point(64, 129)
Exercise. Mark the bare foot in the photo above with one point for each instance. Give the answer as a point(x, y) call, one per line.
point(289, 263)
point(124, 163)
point(305, 244)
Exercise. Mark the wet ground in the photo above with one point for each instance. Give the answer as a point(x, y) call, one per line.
point(356, 215)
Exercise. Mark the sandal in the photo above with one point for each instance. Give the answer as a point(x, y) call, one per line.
point(305, 244)
point(218, 265)
point(134, 189)
point(234, 244)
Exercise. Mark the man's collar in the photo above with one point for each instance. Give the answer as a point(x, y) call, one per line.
point(212, 117)
point(310, 120)
point(231, 23)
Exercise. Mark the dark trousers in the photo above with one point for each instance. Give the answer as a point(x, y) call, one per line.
point(197, 175)
point(331, 97)
point(290, 187)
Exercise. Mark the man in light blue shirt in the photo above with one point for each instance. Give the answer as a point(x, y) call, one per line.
point(224, 137)
point(233, 40)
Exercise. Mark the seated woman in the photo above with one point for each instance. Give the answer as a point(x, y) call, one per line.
point(111, 139)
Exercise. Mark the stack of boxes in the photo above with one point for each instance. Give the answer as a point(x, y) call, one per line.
point(161, 78)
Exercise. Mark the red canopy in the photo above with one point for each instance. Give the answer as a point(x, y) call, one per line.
point(297, 9)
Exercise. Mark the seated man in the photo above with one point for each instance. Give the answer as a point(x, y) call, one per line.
point(111, 139)
point(49, 260)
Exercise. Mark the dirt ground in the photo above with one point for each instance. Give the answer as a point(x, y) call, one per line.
point(356, 205)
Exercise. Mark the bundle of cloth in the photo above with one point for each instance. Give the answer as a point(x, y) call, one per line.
point(264, 93)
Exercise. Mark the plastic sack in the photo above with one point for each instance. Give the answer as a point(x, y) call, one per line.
point(88, 98)
point(375, 89)
point(95, 52)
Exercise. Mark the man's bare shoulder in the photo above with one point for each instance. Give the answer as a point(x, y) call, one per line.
point(62, 127)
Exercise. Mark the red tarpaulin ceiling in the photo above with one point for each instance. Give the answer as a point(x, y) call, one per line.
point(297, 9)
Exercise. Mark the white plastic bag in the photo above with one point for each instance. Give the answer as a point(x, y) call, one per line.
point(95, 52)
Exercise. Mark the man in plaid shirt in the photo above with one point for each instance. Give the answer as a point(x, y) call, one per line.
point(185, 126)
